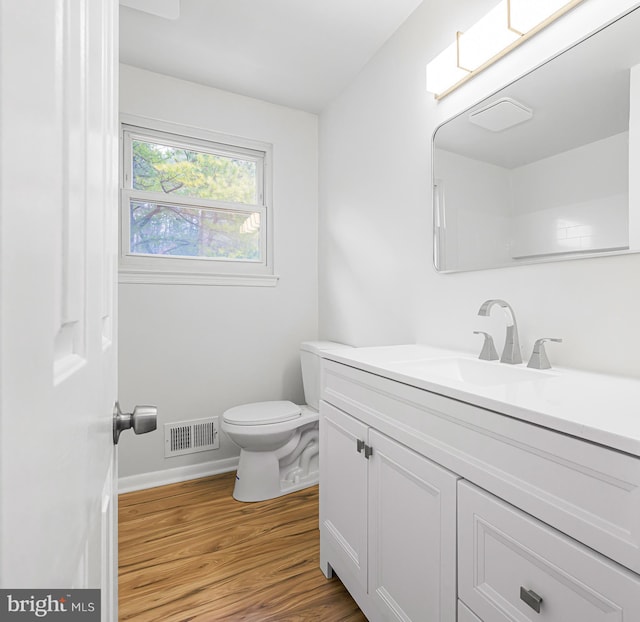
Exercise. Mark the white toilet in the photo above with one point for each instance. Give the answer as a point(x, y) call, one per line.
point(278, 440)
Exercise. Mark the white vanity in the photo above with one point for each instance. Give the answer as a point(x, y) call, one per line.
point(458, 489)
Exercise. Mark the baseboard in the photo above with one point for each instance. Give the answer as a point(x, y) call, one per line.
point(178, 474)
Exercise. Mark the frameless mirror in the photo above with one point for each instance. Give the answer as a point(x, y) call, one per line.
point(540, 171)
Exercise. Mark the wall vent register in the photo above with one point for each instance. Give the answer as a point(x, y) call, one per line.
point(189, 437)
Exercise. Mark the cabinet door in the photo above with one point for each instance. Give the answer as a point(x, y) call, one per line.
point(412, 534)
point(343, 495)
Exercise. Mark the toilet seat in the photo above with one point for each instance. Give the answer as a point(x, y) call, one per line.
point(262, 413)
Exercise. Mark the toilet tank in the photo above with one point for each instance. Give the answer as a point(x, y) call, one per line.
point(310, 362)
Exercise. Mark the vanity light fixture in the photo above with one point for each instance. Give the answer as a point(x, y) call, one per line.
point(501, 30)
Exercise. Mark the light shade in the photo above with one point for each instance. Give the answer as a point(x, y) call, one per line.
point(443, 70)
point(486, 38)
point(506, 26)
point(526, 15)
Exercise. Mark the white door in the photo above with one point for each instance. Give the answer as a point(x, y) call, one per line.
point(58, 219)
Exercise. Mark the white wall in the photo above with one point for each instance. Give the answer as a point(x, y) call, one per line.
point(377, 283)
point(195, 351)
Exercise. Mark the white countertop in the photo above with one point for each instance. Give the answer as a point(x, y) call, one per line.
point(596, 407)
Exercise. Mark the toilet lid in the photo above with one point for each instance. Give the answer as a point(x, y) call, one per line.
point(262, 413)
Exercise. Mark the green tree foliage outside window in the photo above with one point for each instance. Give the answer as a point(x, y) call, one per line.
point(161, 228)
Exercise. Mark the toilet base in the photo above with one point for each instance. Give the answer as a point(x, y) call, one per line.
point(259, 477)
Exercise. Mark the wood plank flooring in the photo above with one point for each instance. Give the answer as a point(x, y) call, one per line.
point(190, 552)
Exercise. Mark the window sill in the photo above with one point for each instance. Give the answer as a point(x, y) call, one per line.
point(156, 277)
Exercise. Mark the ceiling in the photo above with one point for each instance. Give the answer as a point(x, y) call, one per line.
point(297, 53)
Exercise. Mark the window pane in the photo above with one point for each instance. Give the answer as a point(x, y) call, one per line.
point(186, 172)
point(159, 229)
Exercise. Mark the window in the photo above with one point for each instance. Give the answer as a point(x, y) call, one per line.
point(194, 209)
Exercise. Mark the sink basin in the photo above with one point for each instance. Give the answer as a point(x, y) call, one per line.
point(471, 371)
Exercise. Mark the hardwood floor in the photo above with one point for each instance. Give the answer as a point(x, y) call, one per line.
point(189, 551)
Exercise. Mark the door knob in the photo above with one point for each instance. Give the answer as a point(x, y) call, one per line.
point(143, 419)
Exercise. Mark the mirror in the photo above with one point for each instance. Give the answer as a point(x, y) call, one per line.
point(539, 171)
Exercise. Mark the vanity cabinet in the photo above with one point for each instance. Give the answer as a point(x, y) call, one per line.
point(433, 509)
point(387, 521)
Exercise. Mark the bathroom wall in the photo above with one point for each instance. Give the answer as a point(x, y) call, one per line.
point(377, 282)
point(195, 351)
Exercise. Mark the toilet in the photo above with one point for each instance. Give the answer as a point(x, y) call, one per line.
point(278, 440)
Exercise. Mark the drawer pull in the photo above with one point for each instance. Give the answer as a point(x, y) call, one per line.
point(360, 445)
point(531, 598)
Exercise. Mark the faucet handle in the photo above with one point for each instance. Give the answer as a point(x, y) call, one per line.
point(539, 358)
point(488, 352)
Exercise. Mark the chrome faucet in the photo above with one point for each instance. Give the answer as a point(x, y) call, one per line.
point(511, 353)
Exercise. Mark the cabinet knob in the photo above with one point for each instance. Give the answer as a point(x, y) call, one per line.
point(360, 445)
point(531, 598)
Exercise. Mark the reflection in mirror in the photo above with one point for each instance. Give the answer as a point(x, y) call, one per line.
point(540, 170)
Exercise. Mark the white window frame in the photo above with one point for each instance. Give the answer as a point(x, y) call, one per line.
point(136, 268)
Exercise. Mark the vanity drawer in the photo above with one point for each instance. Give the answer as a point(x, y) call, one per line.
point(587, 491)
point(506, 557)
